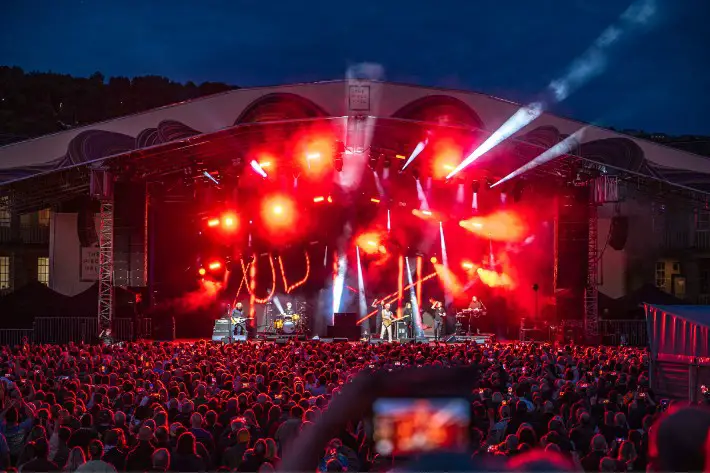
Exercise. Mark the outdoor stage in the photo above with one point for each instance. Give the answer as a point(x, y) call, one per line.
point(397, 195)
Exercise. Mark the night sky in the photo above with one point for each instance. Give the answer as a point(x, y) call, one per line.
point(656, 79)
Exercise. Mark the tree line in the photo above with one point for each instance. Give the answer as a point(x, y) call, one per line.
point(38, 103)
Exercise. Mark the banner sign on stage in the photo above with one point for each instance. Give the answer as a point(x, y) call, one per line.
point(359, 98)
point(89, 269)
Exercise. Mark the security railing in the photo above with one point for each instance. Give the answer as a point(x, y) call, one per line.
point(16, 336)
point(62, 330)
point(78, 329)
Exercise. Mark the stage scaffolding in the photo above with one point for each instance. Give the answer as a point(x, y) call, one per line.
point(102, 189)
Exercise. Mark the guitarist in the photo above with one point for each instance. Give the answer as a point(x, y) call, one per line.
point(238, 320)
point(387, 320)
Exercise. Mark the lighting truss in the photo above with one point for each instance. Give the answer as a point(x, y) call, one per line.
point(106, 227)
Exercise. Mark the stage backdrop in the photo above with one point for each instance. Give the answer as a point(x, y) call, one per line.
point(73, 268)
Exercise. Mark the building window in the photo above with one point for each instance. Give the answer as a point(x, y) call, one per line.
point(43, 270)
point(661, 274)
point(44, 217)
point(5, 212)
point(4, 272)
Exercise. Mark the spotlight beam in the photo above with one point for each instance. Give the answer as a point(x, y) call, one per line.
point(563, 147)
point(520, 119)
point(257, 168)
point(593, 62)
point(417, 151)
point(210, 177)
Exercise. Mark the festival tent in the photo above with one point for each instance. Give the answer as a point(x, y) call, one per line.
point(679, 338)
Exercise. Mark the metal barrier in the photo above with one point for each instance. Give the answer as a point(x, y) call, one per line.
point(78, 329)
point(624, 332)
point(16, 336)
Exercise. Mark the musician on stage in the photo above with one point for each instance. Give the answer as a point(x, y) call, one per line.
point(289, 310)
point(476, 304)
point(439, 314)
point(238, 320)
point(387, 320)
point(408, 316)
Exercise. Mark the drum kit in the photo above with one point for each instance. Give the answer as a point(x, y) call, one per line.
point(281, 323)
point(466, 316)
point(289, 324)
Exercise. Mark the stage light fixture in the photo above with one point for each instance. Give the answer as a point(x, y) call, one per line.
point(330, 200)
point(278, 212)
point(229, 221)
point(318, 199)
point(467, 265)
point(433, 260)
point(376, 201)
point(215, 265)
point(213, 222)
point(202, 271)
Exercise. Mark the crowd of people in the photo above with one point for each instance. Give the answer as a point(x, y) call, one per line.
point(242, 407)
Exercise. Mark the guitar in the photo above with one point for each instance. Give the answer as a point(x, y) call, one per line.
point(240, 320)
point(387, 318)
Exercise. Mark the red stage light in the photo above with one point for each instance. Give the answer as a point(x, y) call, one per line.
point(370, 242)
point(202, 271)
point(229, 221)
point(213, 222)
point(434, 260)
point(215, 265)
point(278, 212)
point(315, 152)
point(447, 155)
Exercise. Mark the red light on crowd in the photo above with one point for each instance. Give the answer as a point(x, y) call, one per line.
point(202, 271)
point(215, 265)
point(433, 260)
point(213, 222)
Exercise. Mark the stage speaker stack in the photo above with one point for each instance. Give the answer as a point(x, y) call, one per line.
point(345, 327)
point(619, 232)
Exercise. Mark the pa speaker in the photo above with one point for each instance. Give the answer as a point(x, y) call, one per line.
point(619, 232)
point(86, 226)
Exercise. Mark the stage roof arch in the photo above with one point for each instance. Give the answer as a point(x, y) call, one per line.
point(379, 100)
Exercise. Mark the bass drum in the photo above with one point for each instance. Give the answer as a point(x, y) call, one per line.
point(289, 327)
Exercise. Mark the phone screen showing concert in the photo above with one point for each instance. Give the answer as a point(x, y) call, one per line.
point(406, 426)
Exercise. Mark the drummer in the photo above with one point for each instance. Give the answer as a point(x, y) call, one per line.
point(289, 310)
